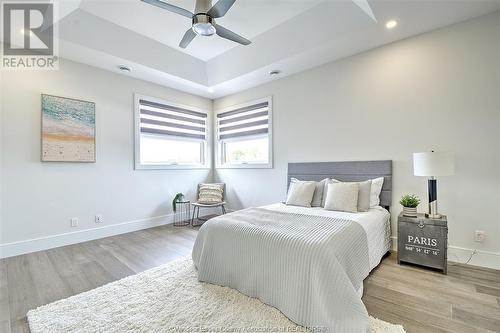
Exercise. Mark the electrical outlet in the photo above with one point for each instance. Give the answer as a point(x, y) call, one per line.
point(98, 218)
point(479, 236)
point(74, 222)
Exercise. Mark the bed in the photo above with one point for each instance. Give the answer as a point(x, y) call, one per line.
point(309, 263)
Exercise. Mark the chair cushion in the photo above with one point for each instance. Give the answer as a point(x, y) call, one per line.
point(199, 204)
point(210, 193)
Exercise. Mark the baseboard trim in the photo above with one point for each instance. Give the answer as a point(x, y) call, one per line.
point(455, 253)
point(53, 241)
point(461, 255)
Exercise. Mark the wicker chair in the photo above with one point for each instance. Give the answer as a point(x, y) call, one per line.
point(198, 205)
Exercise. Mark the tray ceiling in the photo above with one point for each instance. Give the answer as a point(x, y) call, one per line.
point(290, 35)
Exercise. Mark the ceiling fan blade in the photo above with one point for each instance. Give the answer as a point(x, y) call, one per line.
point(170, 8)
point(220, 8)
point(228, 34)
point(188, 37)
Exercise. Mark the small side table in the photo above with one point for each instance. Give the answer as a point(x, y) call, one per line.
point(182, 216)
point(423, 241)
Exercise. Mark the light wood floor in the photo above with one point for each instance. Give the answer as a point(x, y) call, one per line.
point(465, 300)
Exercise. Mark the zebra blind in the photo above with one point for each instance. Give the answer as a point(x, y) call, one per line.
point(243, 122)
point(167, 120)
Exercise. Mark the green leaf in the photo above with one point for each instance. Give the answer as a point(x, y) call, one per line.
point(177, 198)
point(409, 200)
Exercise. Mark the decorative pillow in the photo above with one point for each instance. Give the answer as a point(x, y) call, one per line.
point(325, 189)
point(319, 192)
point(300, 193)
point(377, 184)
point(364, 196)
point(342, 197)
point(210, 193)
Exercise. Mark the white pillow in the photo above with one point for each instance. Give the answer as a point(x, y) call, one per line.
point(377, 184)
point(325, 189)
point(210, 193)
point(300, 193)
point(342, 197)
point(317, 200)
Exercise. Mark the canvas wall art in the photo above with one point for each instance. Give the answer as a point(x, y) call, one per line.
point(68, 130)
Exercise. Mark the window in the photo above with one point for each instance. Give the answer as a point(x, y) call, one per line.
point(244, 135)
point(169, 136)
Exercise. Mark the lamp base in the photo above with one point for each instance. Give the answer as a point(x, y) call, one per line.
point(433, 206)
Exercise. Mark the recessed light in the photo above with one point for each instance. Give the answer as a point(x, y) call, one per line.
point(391, 24)
point(124, 68)
point(274, 72)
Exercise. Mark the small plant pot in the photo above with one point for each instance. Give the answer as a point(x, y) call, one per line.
point(410, 211)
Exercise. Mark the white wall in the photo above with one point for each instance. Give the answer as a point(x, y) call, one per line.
point(439, 90)
point(38, 199)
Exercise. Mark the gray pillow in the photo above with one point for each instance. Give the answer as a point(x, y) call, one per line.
point(364, 196)
point(300, 193)
point(342, 197)
point(318, 193)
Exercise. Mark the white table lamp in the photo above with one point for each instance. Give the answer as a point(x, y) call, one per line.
point(433, 164)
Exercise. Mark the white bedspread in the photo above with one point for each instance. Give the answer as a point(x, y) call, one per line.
point(309, 266)
point(375, 221)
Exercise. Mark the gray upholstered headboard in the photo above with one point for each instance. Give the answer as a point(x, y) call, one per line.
point(347, 172)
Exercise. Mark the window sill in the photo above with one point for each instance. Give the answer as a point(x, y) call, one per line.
point(172, 167)
point(245, 166)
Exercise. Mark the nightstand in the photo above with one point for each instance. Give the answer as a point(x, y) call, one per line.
point(423, 241)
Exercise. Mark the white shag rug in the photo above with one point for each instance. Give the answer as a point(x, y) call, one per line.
point(167, 298)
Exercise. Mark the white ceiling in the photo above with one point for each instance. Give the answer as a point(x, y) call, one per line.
point(290, 35)
point(248, 18)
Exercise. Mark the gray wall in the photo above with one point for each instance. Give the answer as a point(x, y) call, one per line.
point(439, 90)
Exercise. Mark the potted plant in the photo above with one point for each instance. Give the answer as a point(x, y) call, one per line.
point(409, 203)
point(178, 197)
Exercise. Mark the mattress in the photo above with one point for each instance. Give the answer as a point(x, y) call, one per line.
point(375, 222)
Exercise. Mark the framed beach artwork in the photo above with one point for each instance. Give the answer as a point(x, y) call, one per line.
point(68, 130)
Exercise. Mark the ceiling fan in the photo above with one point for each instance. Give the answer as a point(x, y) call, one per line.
point(203, 20)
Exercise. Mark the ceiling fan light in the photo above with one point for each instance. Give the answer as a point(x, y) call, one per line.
point(204, 29)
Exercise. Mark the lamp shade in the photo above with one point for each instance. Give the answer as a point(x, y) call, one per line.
point(434, 164)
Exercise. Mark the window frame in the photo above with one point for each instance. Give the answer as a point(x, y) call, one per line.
point(219, 150)
point(205, 150)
